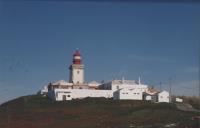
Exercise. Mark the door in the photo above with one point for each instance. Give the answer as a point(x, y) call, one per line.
point(64, 97)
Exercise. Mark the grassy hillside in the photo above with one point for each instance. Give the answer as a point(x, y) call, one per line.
point(194, 101)
point(40, 112)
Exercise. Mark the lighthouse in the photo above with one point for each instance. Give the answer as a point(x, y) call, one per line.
point(76, 75)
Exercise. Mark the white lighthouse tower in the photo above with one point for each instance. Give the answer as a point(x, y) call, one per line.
point(76, 69)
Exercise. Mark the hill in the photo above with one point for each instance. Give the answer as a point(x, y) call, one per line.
point(36, 111)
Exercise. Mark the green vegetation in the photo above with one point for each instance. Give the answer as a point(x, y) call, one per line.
point(37, 111)
point(194, 101)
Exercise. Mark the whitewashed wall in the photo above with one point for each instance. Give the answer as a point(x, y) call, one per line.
point(77, 75)
point(76, 93)
point(116, 87)
point(179, 100)
point(79, 93)
point(148, 98)
point(163, 96)
point(128, 94)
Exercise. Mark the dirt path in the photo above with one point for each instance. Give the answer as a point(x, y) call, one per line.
point(186, 107)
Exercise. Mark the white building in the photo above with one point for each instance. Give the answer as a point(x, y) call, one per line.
point(180, 100)
point(125, 89)
point(156, 95)
point(128, 94)
point(120, 84)
point(163, 96)
point(151, 94)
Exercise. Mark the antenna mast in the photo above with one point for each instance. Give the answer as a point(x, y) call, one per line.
point(139, 80)
point(170, 89)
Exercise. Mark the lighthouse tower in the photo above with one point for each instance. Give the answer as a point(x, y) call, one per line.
point(76, 69)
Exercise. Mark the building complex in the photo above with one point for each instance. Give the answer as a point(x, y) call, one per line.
point(122, 89)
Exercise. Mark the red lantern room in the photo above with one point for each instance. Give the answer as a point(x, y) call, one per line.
point(77, 57)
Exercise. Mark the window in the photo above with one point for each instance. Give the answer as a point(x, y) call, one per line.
point(124, 93)
point(68, 95)
point(117, 87)
point(77, 72)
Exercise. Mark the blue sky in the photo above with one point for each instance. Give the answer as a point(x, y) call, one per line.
point(155, 41)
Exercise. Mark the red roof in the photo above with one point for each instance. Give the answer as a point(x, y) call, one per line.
point(77, 53)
